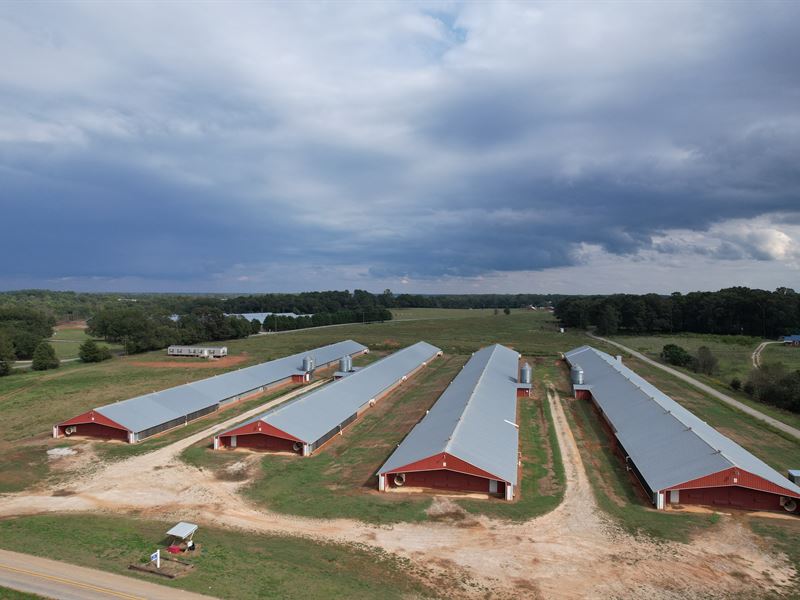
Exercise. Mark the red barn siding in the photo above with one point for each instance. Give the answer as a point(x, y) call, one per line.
point(442, 479)
point(736, 477)
point(260, 441)
point(731, 496)
point(93, 424)
point(445, 472)
point(100, 431)
point(444, 461)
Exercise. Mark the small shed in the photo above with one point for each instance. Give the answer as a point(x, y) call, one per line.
point(183, 531)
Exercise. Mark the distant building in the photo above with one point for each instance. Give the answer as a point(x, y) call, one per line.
point(791, 340)
point(198, 351)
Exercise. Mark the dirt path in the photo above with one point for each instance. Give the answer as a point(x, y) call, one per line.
point(793, 431)
point(756, 357)
point(571, 552)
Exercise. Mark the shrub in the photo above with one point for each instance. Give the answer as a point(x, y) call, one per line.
point(676, 355)
point(736, 384)
point(44, 357)
point(705, 362)
point(90, 352)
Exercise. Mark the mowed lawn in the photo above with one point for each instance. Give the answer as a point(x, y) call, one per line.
point(229, 563)
point(67, 342)
point(340, 480)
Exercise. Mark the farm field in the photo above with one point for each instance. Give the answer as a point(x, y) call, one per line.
point(339, 481)
point(778, 353)
point(735, 360)
point(229, 564)
point(336, 485)
point(408, 314)
point(9, 594)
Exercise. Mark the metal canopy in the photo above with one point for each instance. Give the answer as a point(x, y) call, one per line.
point(668, 444)
point(183, 530)
point(474, 419)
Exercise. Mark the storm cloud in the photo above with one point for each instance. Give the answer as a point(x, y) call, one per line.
point(225, 146)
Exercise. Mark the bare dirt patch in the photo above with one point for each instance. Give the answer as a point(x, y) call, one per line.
point(192, 363)
point(70, 325)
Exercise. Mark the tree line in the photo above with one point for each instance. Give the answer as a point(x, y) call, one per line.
point(731, 311)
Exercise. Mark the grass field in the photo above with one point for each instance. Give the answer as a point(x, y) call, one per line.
point(778, 353)
point(229, 564)
point(340, 480)
point(66, 342)
point(9, 594)
point(407, 314)
point(734, 353)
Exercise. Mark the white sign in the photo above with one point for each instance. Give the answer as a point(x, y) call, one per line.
point(156, 557)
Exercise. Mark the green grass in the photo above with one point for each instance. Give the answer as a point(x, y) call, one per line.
point(67, 342)
point(230, 563)
point(778, 353)
point(733, 351)
point(22, 466)
point(405, 314)
point(9, 594)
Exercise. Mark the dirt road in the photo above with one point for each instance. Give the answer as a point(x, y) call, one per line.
point(756, 357)
point(794, 432)
point(571, 552)
point(55, 579)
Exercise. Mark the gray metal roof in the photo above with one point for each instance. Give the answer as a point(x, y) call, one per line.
point(473, 419)
point(668, 444)
point(183, 530)
point(312, 415)
point(151, 410)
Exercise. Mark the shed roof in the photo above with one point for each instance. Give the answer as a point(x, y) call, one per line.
point(183, 530)
point(311, 416)
point(473, 419)
point(668, 444)
point(151, 410)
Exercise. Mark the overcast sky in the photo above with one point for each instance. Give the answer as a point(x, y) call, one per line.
point(423, 147)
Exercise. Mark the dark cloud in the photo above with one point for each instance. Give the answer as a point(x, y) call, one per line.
point(391, 139)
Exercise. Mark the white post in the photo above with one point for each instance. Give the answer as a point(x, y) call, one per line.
point(216, 442)
point(131, 437)
point(381, 483)
point(55, 431)
point(509, 491)
point(306, 450)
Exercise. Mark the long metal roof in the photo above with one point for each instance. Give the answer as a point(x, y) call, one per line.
point(151, 410)
point(474, 419)
point(668, 444)
point(311, 416)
